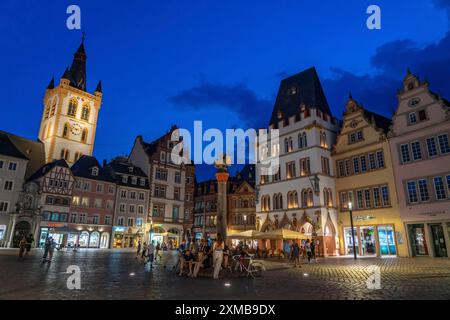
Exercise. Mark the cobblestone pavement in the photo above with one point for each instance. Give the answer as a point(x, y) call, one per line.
point(118, 275)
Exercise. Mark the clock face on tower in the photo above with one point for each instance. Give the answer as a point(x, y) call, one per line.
point(76, 129)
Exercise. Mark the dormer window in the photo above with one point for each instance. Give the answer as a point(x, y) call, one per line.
point(124, 179)
point(142, 182)
point(134, 180)
point(130, 169)
point(293, 90)
point(280, 115)
point(94, 171)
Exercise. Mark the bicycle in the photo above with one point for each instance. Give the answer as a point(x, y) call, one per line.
point(252, 268)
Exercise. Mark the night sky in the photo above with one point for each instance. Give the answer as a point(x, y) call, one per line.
point(176, 61)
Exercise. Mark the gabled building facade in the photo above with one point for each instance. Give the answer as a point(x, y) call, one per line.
point(241, 202)
point(53, 183)
point(171, 186)
point(93, 203)
point(365, 178)
point(420, 147)
point(301, 196)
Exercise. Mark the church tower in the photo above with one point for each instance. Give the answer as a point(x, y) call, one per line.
point(70, 114)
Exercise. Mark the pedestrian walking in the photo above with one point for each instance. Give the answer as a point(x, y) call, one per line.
point(313, 250)
point(295, 249)
point(157, 250)
point(139, 247)
point(51, 250)
point(308, 250)
point(30, 241)
point(144, 252)
point(46, 249)
point(22, 246)
point(218, 248)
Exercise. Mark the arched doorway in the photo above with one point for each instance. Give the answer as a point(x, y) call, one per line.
point(330, 238)
point(104, 240)
point(173, 235)
point(94, 239)
point(84, 239)
point(22, 229)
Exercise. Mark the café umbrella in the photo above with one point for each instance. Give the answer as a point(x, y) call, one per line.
point(281, 234)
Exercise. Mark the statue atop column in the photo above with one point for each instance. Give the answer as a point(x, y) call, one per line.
point(222, 164)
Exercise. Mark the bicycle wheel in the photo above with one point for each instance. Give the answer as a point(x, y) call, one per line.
point(256, 269)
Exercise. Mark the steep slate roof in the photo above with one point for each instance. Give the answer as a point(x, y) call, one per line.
point(309, 91)
point(380, 121)
point(47, 167)
point(7, 148)
point(151, 147)
point(119, 167)
point(33, 150)
point(82, 168)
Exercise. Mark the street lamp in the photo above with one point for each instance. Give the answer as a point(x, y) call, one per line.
point(350, 207)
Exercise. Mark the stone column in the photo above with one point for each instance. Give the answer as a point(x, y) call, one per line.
point(221, 225)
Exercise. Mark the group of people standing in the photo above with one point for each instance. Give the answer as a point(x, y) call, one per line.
point(307, 250)
point(148, 253)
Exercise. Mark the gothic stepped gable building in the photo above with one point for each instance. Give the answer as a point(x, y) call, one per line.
point(131, 204)
point(93, 203)
point(241, 197)
point(365, 177)
point(171, 188)
point(70, 114)
point(420, 147)
point(301, 196)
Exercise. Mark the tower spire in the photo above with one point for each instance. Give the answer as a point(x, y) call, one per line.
point(78, 67)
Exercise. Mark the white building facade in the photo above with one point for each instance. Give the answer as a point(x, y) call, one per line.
point(301, 196)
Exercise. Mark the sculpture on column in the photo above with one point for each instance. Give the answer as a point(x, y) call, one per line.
point(222, 164)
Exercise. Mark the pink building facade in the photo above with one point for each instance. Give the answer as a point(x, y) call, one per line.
point(420, 148)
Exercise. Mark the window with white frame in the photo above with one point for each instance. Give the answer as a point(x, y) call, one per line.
point(132, 208)
point(123, 193)
point(99, 187)
point(8, 185)
point(130, 222)
point(431, 147)
point(412, 191)
point(439, 188)
point(122, 207)
point(444, 145)
point(404, 153)
point(4, 206)
point(140, 209)
point(423, 190)
point(362, 160)
point(416, 150)
point(107, 220)
point(120, 221)
point(96, 219)
point(412, 118)
point(73, 218)
point(12, 166)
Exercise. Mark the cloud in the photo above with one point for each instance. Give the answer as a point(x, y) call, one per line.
point(252, 110)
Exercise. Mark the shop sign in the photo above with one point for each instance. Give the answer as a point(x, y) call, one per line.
point(364, 218)
point(119, 229)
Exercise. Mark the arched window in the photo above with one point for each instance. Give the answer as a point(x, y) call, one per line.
point(53, 110)
point(304, 198)
point(278, 201)
point(84, 135)
point(286, 145)
point(305, 140)
point(300, 141)
point(310, 198)
point(47, 112)
point(85, 112)
point(66, 130)
point(72, 110)
point(240, 219)
point(292, 199)
point(94, 240)
point(323, 140)
point(291, 146)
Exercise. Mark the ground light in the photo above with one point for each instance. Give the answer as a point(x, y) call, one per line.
point(227, 284)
